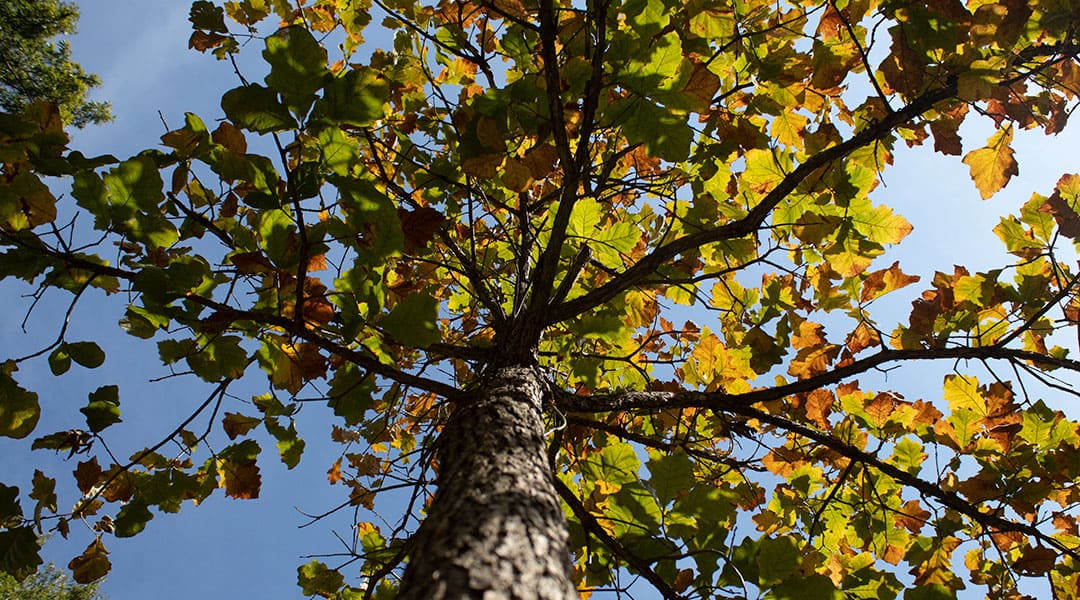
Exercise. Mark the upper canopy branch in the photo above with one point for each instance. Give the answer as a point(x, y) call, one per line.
point(756, 217)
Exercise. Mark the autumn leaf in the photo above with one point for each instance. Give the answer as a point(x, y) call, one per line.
point(92, 564)
point(993, 165)
point(419, 226)
point(236, 424)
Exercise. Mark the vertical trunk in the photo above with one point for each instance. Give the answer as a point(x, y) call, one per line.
point(495, 530)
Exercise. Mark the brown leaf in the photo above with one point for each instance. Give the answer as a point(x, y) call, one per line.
point(702, 87)
point(251, 262)
point(419, 226)
point(485, 165)
point(1036, 560)
point(1065, 523)
point(489, 134)
point(541, 160)
point(92, 564)
point(203, 41)
point(87, 475)
point(879, 283)
point(308, 360)
point(912, 516)
point(236, 424)
point(993, 165)
point(231, 137)
point(240, 480)
point(831, 26)
point(683, 580)
point(861, 338)
point(516, 175)
point(783, 461)
point(1067, 219)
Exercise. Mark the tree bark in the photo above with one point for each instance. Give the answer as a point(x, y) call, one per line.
point(495, 529)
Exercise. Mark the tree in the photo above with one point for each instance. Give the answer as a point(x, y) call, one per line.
point(33, 67)
point(473, 249)
point(49, 583)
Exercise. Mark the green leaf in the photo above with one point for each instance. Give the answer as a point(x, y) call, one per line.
point(350, 394)
point(87, 354)
point(20, 552)
point(44, 491)
point(19, 409)
point(616, 463)
point(371, 220)
point(355, 98)
point(316, 578)
point(204, 15)
point(221, 358)
point(297, 66)
point(289, 444)
point(777, 558)
point(413, 321)
point(933, 591)
point(338, 151)
point(814, 587)
point(133, 185)
point(59, 360)
point(132, 518)
point(103, 409)
point(256, 108)
point(276, 228)
point(909, 455)
point(672, 476)
point(664, 134)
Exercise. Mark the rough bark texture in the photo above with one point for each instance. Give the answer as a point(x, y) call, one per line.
point(495, 530)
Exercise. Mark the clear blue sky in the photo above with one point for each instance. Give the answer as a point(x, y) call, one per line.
point(252, 548)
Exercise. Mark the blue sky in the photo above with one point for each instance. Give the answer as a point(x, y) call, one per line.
point(252, 548)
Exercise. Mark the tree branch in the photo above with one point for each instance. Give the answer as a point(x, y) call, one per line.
point(299, 331)
point(753, 221)
point(593, 527)
point(927, 489)
point(723, 401)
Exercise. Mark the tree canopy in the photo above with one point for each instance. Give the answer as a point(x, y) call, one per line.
point(34, 65)
point(598, 284)
point(49, 583)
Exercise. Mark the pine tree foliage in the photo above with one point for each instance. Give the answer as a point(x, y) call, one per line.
point(34, 65)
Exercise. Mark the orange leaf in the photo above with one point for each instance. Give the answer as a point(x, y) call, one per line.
point(334, 474)
point(912, 516)
point(818, 404)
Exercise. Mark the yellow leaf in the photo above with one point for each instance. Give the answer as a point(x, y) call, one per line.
point(993, 165)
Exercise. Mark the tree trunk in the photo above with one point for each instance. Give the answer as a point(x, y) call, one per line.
point(495, 530)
